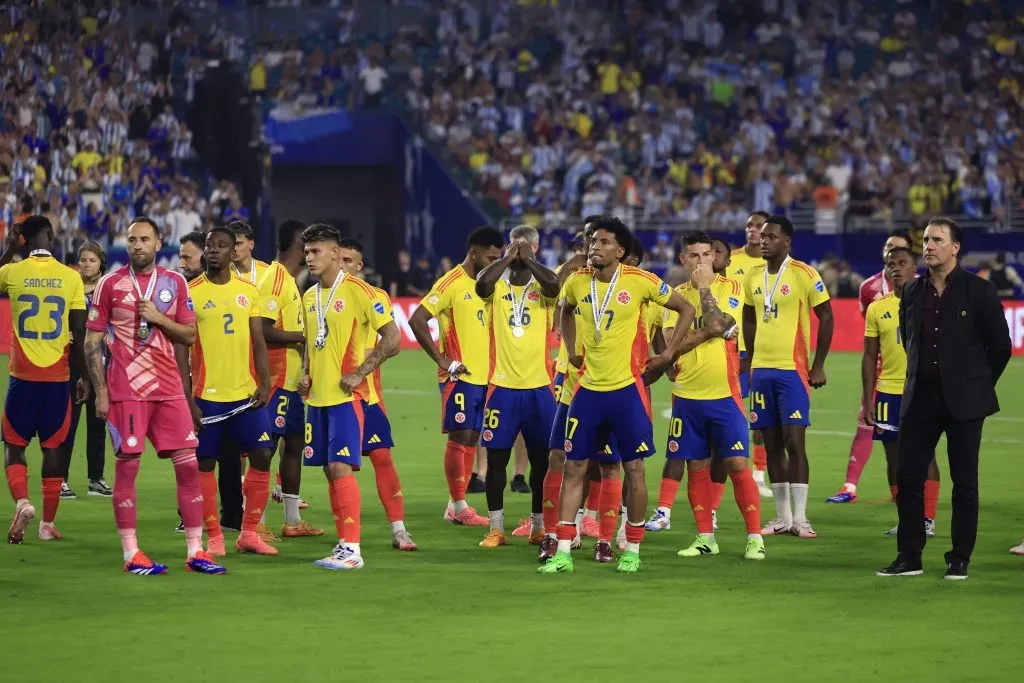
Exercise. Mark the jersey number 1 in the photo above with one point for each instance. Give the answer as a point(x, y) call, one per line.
point(56, 315)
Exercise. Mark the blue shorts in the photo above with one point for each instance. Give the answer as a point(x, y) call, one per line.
point(287, 413)
point(462, 406)
point(744, 378)
point(698, 426)
point(622, 416)
point(556, 441)
point(557, 384)
point(376, 428)
point(887, 417)
point(779, 397)
point(34, 409)
point(334, 434)
point(510, 412)
point(249, 429)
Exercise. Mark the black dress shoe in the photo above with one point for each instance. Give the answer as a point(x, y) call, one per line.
point(903, 566)
point(476, 484)
point(519, 484)
point(956, 571)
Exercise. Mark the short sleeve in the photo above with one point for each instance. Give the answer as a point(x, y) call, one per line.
point(76, 302)
point(270, 305)
point(816, 290)
point(569, 291)
point(99, 314)
point(871, 322)
point(730, 301)
point(437, 299)
point(660, 292)
point(255, 309)
point(184, 311)
point(669, 318)
point(380, 313)
point(5, 276)
point(747, 290)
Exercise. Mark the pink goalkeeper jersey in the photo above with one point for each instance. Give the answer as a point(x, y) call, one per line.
point(873, 289)
point(140, 370)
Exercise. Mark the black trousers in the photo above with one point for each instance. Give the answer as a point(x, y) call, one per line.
point(229, 480)
point(927, 418)
point(96, 433)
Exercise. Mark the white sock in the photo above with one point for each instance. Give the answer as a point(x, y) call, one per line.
point(497, 518)
point(667, 512)
point(622, 520)
point(710, 538)
point(536, 522)
point(458, 506)
point(632, 547)
point(752, 536)
point(193, 541)
point(551, 536)
point(291, 508)
point(579, 517)
point(354, 547)
point(782, 509)
point(852, 488)
point(397, 526)
point(564, 546)
point(592, 514)
point(799, 493)
point(759, 476)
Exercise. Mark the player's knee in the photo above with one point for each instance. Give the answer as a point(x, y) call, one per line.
point(381, 458)
point(574, 469)
point(674, 469)
point(207, 464)
point(556, 460)
point(634, 471)
point(609, 470)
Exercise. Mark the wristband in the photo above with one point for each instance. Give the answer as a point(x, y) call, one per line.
point(453, 367)
point(729, 332)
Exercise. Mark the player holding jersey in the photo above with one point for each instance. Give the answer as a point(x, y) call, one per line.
point(884, 369)
point(464, 363)
point(48, 312)
point(284, 333)
point(377, 438)
point(230, 383)
point(611, 401)
point(777, 298)
point(521, 295)
point(142, 315)
point(340, 312)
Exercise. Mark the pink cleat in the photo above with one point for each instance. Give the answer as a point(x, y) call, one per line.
point(23, 516)
point(401, 540)
point(590, 528)
point(775, 527)
point(48, 532)
point(469, 517)
point(523, 530)
point(803, 529)
point(251, 542)
point(215, 546)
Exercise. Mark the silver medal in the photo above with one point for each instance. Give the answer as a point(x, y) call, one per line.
point(518, 332)
point(321, 311)
point(599, 312)
point(143, 331)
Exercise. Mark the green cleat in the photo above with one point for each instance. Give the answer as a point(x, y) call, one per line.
point(755, 549)
point(560, 563)
point(629, 563)
point(702, 546)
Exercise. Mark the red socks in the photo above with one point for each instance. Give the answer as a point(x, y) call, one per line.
point(468, 463)
point(125, 471)
point(667, 493)
point(894, 491)
point(748, 499)
point(717, 491)
point(931, 498)
point(860, 453)
point(346, 502)
point(635, 532)
point(594, 495)
point(255, 491)
point(51, 498)
point(17, 481)
point(698, 490)
point(552, 487)
point(190, 493)
point(610, 502)
point(211, 515)
point(760, 457)
point(455, 457)
point(388, 487)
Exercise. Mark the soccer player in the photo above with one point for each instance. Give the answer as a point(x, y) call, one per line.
point(885, 362)
point(190, 254)
point(226, 396)
point(707, 408)
point(377, 437)
point(777, 298)
point(872, 289)
point(242, 262)
point(521, 295)
point(611, 400)
point(145, 314)
point(340, 311)
point(48, 311)
point(284, 334)
point(463, 361)
point(741, 261)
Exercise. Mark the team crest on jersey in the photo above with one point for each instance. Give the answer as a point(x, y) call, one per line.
point(339, 305)
point(307, 452)
point(673, 446)
point(488, 435)
point(165, 296)
point(93, 314)
point(567, 446)
point(271, 305)
point(624, 298)
point(785, 290)
point(132, 442)
point(242, 300)
point(533, 296)
point(432, 300)
point(279, 421)
point(460, 417)
point(753, 416)
point(820, 286)
point(379, 307)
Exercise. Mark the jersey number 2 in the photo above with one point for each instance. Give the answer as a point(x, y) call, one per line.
point(228, 319)
point(56, 314)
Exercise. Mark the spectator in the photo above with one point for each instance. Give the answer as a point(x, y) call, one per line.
point(399, 285)
point(1004, 277)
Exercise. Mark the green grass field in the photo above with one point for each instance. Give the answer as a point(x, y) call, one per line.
point(453, 611)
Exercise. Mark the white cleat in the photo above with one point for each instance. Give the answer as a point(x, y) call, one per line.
point(929, 528)
point(620, 539)
point(23, 516)
point(1017, 549)
point(893, 531)
point(48, 532)
point(765, 491)
point(449, 513)
point(775, 527)
point(577, 542)
point(659, 522)
point(803, 529)
point(341, 558)
point(714, 520)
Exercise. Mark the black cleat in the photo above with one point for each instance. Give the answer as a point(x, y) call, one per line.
point(476, 484)
point(519, 484)
point(956, 571)
point(902, 567)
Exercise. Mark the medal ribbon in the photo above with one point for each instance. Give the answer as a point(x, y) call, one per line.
point(599, 312)
point(769, 296)
point(150, 288)
point(322, 308)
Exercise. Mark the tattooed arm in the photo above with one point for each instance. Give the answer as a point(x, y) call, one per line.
point(96, 371)
point(390, 341)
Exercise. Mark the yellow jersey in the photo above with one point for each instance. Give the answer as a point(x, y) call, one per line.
point(740, 263)
point(617, 358)
point(257, 269)
point(375, 393)
point(653, 314)
point(349, 316)
point(280, 302)
point(42, 291)
point(882, 322)
point(464, 323)
point(520, 362)
point(710, 371)
point(783, 342)
point(222, 325)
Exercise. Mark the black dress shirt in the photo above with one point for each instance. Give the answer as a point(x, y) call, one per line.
point(931, 326)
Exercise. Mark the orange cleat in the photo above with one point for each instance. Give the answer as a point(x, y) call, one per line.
point(250, 542)
point(590, 528)
point(215, 546)
point(536, 537)
point(494, 538)
point(523, 529)
point(23, 516)
point(469, 517)
point(303, 528)
point(266, 534)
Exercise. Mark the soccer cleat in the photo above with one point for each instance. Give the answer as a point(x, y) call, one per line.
point(620, 539)
point(803, 529)
point(629, 563)
point(99, 487)
point(215, 546)
point(140, 565)
point(494, 538)
point(560, 563)
point(276, 496)
point(449, 513)
point(48, 532)
point(341, 558)
point(65, 492)
point(845, 495)
point(893, 531)
point(714, 520)
point(401, 540)
point(659, 521)
point(536, 537)
point(549, 546)
point(603, 552)
point(202, 563)
point(519, 485)
point(1017, 549)
point(24, 513)
point(765, 490)
point(929, 527)
point(755, 549)
point(956, 571)
point(524, 528)
point(180, 529)
point(476, 485)
point(266, 534)
point(577, 542)
point(775, 527)
point(902, 566)
point(252, 542)
point(469, 517)
point(590, 527)
point(701, 546)
point(303, 528)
